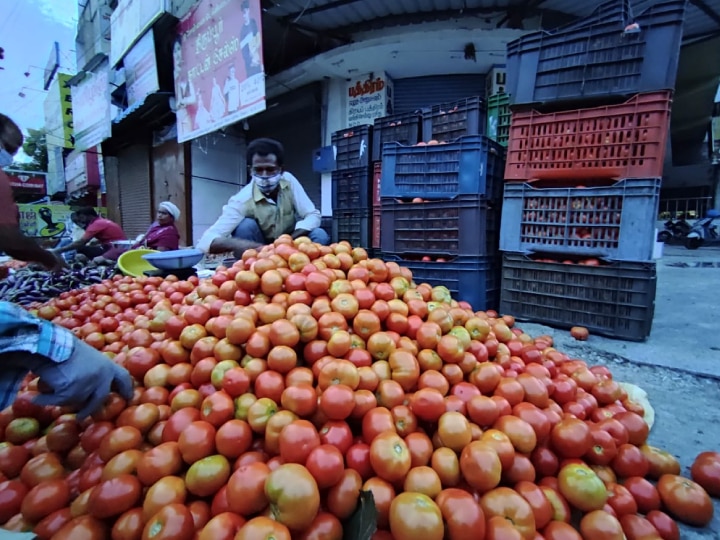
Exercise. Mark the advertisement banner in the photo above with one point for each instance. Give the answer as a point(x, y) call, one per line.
point(129, 20)
point(369, 97)
point(218, 66)
point(141, 78)
point(48, 220)
point(91, 109)
point(59, 113)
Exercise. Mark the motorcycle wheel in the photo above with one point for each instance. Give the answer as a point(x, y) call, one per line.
point(664, 236)
point(693, 243)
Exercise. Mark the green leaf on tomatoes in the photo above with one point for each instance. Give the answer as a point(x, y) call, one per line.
point(363, 523)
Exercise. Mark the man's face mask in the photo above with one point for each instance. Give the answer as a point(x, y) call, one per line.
point(267, 183)
point(5, 158)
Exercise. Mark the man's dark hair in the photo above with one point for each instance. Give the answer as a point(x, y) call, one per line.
point(263, 147)
point(86, 211)
point(11, 138)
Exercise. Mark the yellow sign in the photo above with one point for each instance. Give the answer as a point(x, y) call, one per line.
point(59, 113)
point(67, 112)
point(48, 220)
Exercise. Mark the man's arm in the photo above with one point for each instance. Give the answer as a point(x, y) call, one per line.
point(20, 247)
point(217, 238)
point(74, 246)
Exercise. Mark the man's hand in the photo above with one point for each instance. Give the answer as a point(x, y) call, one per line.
point(236, 245)
point(56, 263)
point(297, 233)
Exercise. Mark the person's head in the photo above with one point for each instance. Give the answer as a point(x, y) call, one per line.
point(265, 157)
point(245, 7)
point(177, 54)
point(11, 139)
point(167, 213)
point(75, 219)
point(86, 216)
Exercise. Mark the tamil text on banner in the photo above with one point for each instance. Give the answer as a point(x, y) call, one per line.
point(369, 97)
point(91, 109)
point(129, 20)
point(48, 220)
point(218, 66)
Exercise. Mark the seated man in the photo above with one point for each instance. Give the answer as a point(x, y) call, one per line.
point(272, 204)
point(103, 230)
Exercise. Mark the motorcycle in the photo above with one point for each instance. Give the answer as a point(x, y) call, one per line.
point(703, 231)
point(674, 230)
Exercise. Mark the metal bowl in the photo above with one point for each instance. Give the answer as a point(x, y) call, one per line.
point(175, 260)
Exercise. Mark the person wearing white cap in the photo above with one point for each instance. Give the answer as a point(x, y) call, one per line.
point(161, 236)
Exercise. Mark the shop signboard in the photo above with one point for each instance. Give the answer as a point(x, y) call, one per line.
point(130, 20)
point(368, 97)
point(48, 220)
point(218, 66)
point(29, 182)
point(59, 113)
point(141, 77)
point(91, 109)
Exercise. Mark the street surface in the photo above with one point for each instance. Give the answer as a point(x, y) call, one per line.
point(678, 366)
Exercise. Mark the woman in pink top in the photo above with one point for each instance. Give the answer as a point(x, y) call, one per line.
point(96, 227)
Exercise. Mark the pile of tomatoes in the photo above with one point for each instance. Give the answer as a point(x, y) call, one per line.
point(274, 396)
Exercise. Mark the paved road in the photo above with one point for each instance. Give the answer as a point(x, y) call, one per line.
point(678, 366)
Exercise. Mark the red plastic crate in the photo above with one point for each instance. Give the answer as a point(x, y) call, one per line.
point(377, 177)
point(376, 227)
point(615, 141)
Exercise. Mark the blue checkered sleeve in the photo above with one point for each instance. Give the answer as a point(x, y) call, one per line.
point(21, 331)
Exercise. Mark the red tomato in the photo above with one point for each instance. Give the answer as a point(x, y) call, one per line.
point(706, 472)
point(390, 457)
point(645, 494)
point(85, 527)
point(413, 516)
point(171, 522)
point(129, 526)
point(52, 523)
point(224, 526)
point(246, 489)
point(571, 438)
point(685, 500)
point(12, 493)
point(637, 527)
point(297, 440)
point(158, 462)
point(508, 504)
point(621, 500)
point(115, 496)
point(293, 495)
point(326, 464)
point(464, 519)
point(342, 498)
point(44, 499)
point(601, 525)
point(538, 501)
point(262, 528)
point(664, 524)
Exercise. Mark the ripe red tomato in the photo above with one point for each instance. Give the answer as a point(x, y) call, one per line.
point(621, 500)
point(171, 522)
point(637, 527)
point(167, 490)
point(660, 462)
point(115, 496)
point(128, 526)
point(338, 434)
point(601, 526)
point(12, 459)
point(197, 441)
point(207, 475)
point(12, 494)
point(705, 471)
point(158, 462)
point(297, 440)
point(644, 492)
point(342, 498)
point(223, 526)
point(326, 464)
point(665, 525)
point(508, 504)
point(389, 456)
point(262, 528)
point(85, 527)
point(464, 519)
point(480, 465)
point(538, 501)
point(630, 461)
point(52, 523)
point(685, 500)
point(246, 489)
point(571, 438)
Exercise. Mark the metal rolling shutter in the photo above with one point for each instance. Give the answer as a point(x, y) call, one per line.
point(135, 191)
point(418, 92)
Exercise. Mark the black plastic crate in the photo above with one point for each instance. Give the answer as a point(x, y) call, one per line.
point(464, 225)
point(616, 222)
point(351, 188)
point(473, 165)
point(403, 128)
point(353, 147)
point(608, 56)
point(475, 280)
point(616, 300)
point(353, 226)
point(448, 121)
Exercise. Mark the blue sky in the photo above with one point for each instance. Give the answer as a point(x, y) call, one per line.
point(28, 29)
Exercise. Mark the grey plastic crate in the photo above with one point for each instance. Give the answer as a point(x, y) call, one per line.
point(616, 300)
point(616, 222)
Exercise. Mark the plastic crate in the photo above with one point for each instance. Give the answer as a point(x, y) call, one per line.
point(465, 225)
point(377, 180)
point(616, 300)
point(617, 141)
point(403, 128)
point(616, 222)
point(498, 118)
point(353, 226)
point(599, 58)
point(351, 189)
point(376, 227)
point(475, 280)
point(470, 165)
point(448, 121)
point(352, 147)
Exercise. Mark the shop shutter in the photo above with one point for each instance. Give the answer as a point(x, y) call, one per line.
point(418, 92)
point(135, 192)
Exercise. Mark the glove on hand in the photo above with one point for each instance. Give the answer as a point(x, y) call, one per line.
point(84, 380)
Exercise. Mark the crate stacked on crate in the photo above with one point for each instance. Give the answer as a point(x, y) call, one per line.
point(590, 116)
point(352, 186)
point(440, 214)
